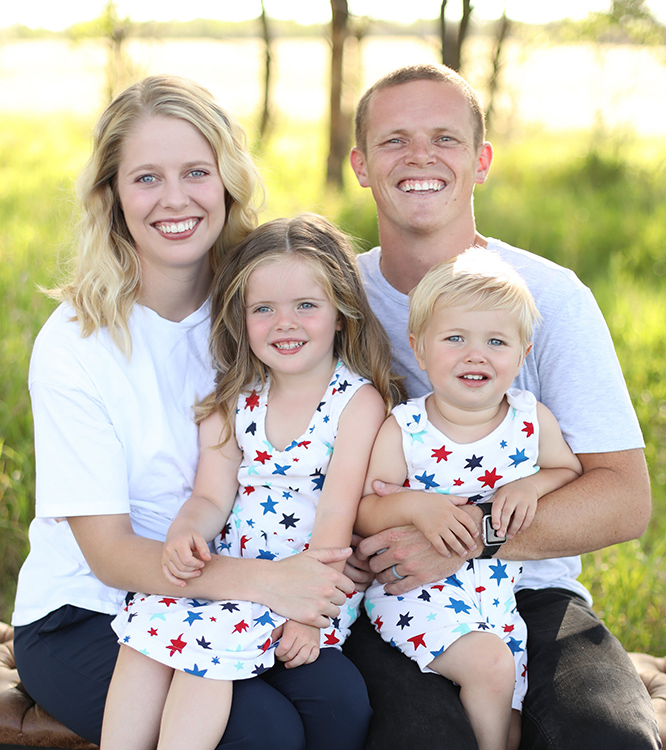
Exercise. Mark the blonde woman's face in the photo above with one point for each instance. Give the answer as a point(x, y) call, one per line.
point(172, 196)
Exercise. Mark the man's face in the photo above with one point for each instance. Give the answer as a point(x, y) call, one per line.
point(420, 159)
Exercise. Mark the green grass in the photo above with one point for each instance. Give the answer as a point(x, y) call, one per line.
point(594, 203)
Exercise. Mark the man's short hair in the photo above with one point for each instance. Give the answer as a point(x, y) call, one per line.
point(421, 72)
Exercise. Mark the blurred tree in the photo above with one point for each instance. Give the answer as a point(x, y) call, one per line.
point(340, 120)
point(266, 112)
point(452, 41)
point(502, 32)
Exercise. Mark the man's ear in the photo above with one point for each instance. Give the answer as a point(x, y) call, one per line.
point(485, 159)
point(358, 164)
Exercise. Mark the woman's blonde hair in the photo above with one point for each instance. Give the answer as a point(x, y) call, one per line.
point(107, 280)
point(361, 343)
point(478, 279)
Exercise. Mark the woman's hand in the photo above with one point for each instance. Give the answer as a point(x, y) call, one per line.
point(305, 588)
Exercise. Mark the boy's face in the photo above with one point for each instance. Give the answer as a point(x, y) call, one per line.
point(471, 356)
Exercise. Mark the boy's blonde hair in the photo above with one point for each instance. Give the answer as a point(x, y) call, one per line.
point(478, 279)
point(361, 343)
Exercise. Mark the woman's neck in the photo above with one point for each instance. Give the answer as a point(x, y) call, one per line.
point(174, 297)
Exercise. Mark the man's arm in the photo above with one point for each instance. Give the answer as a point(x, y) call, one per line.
point(610, 503)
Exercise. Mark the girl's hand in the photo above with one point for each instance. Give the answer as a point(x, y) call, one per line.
point(514, 507)
point(444, 524)
point(184, 555)
point(298, 645)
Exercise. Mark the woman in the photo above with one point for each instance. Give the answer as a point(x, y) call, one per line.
point(114, 374)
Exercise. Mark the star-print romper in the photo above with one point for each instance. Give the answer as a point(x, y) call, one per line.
point(424, 622)
point(272, 518)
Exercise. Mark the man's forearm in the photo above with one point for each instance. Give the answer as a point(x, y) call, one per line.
point(608, 504)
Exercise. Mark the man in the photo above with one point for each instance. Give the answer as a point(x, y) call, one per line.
point(421, 149)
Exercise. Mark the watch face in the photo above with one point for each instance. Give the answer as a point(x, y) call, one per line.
point(489, 534)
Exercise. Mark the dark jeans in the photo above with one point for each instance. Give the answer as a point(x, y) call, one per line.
point(583, 693)
point(66, 661)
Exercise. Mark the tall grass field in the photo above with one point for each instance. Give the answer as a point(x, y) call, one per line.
point(592, 202)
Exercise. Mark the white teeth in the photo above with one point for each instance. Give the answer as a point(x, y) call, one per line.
point(179, 228)
point(421, 186)
point(473, 377)
point(288, 345)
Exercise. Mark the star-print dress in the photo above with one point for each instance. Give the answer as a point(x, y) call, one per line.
point(272, 518)
point(424, 622)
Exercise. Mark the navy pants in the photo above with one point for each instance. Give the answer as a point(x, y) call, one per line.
point(66, 661)
point(583, 691)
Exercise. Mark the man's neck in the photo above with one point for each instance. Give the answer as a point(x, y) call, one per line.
point(406, 260)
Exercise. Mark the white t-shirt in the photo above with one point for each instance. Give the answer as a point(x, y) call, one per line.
point(572, 369)
point(112, 436)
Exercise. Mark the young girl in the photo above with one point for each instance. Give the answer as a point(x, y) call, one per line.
point(294, 343)
point(470, 440)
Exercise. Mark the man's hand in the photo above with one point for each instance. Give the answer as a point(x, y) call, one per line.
point(357, 568)
point(413, 556)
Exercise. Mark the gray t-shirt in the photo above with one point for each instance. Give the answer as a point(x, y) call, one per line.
point(572, 369)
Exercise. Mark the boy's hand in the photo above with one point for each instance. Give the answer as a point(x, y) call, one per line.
point(184, 555)
point(514, 507)
point(444, 524)
point(298, 645)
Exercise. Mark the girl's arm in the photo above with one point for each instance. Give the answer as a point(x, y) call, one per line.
point(514, 504)
point(343, 486)
point(336, 509)
point(438, 516)
point(205, 513)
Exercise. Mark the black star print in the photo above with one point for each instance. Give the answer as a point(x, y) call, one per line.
point(251, 428)
point(404, 621)
point(474, 462)
point(289, 521)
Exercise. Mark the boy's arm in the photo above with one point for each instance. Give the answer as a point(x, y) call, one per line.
point(514, 504)
point(438, 516)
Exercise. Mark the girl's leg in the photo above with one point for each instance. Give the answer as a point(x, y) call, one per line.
point(331, 698)
point(483, 665)
point(196, 712)
point(135, 702)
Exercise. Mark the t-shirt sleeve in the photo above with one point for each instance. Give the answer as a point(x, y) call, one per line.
point(580, 378)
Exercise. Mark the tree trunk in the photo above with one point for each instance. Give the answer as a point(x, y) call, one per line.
point(503, 28)
point(266, 112)
point(339, 121)
point(452, 43)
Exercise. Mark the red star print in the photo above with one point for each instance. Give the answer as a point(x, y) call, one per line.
point(266, 646)
point(213, 619)
point(489, 479)
point(378, 623)
point(239, 627)
point(508, 628)
point(441, 454)
point(479, 589)
point(406, 483)
point(458, 482)
point(248, 489)
point(177, 644)
point(305, 444)
point(252, 401)
point(417, 640)
point(351, 596)
point(243, 542)
point(438, 587)
point(331, 638)
point(524, 672)
point(167, 600)
point(528, 429)
point(263, 456)
point(152, 631)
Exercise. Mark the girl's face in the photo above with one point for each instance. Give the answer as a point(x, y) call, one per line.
point(471, 357)
point(172, 196)
point(291, 322)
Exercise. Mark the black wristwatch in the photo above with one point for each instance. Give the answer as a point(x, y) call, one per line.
point(491, 542)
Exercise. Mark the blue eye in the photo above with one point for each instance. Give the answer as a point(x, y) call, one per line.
point(146, 179)
point(496, 342)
